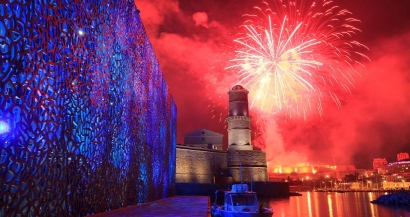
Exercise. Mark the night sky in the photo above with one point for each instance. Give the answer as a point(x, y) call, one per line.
point(190, 39)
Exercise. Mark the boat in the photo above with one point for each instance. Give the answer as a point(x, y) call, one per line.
point(294, 193)
point(238, 202)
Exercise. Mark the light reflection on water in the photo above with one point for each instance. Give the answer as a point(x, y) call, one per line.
point(329, 204)
point(332, 204)
point(308, 195)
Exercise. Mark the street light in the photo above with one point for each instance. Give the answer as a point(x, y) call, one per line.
point(327, 176)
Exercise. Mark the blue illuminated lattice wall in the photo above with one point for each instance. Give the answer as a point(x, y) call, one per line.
point(92, 125)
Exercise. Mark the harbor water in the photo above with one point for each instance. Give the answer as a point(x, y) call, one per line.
point(332, 204)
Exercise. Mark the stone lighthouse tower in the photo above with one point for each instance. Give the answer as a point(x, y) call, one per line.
point(244, 163)
point(239, 132)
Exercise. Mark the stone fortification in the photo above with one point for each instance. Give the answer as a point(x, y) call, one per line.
point(241, 162)
point(195, 165)
point(239, 133)
point(252, 165)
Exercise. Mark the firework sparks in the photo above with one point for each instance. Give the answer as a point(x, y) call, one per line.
point(294, 56)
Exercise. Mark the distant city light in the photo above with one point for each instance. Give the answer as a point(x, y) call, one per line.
point(4, 127)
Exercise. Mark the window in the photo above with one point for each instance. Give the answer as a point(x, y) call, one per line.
point(243, 200)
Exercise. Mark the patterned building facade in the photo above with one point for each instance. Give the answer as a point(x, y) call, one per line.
point(91, 122)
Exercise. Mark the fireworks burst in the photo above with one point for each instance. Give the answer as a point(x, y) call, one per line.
point(297, 54)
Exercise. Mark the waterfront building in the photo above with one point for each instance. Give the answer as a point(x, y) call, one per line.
point(201, 165)
point(198, 163)
point(396, 175)
point(403, 156)
point(304, 169)
point(244, 163)
point(389, 185)
point(398, 171)
point(385, 175)
point(313, 171)
point(379, 163)
point(341, 171)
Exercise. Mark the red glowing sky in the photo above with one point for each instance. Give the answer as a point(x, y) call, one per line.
point(374, 121)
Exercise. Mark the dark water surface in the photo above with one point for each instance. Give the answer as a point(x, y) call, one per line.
point(332, 204)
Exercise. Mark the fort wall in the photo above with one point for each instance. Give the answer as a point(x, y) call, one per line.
point(196, 165)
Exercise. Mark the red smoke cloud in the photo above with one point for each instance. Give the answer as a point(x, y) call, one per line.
point(201, 19)
point(374, 121)
point(187, 56)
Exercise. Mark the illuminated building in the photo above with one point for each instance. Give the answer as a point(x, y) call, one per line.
point(296, 169)
point(313, 171)
point(342, 171)
point(198, 165)
point(395, 185)
point(244, 163)
point(397, 174)
point(398, 171)
point(403, 156)
point(379, 163)
point(239, 133)
point(91, 122)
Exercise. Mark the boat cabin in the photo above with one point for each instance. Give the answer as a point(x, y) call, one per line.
point(238, 199)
